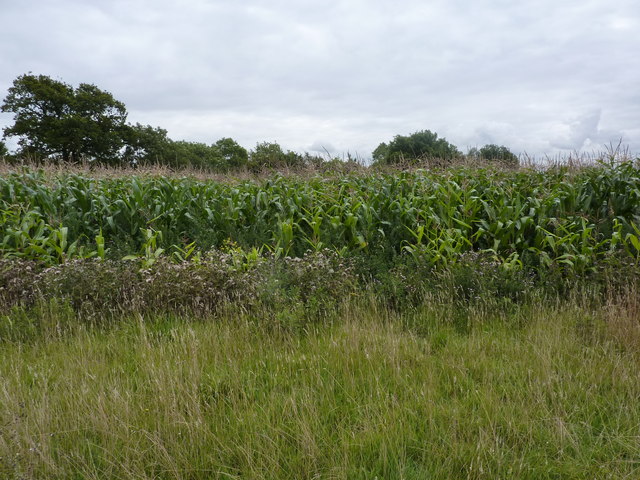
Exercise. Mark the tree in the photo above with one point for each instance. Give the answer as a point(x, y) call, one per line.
point(271, 155)
point(493, 152)
point(194, 154)
point(233, 155)
point(4, 151)
point(418, 145)
point(51, 118)
point(145, 144)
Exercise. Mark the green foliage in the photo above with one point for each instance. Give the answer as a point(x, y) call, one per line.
point(52, 119)
point(186, 282)
point(497, 153)
point(233, 156)
point(146, 145)
point(194, 154)
point(556, 220)
point(4, 151)
point(270, 155)
point(418, 145)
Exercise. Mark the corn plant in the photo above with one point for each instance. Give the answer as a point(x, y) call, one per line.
point(542, 219)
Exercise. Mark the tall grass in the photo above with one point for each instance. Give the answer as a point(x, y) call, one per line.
point(542, 392)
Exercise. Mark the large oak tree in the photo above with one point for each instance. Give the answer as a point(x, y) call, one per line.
point(52, 119)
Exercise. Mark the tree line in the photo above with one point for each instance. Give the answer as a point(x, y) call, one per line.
point(53, 121)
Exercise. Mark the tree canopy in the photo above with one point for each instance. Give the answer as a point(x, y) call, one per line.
point(51, 118)
point(232, 154)
point(54, 120)
point(145, 144)
point(418, 145)
point(271, 155)
point(151, 146)
point(494, 152)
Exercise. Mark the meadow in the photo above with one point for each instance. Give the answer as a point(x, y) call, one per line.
point(469, 322)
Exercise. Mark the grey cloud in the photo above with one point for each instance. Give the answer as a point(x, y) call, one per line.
point(584, 133)
point(323, 147)
point(578, 131)
point(353, 71)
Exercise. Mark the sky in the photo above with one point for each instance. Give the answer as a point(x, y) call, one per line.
point(542, 77)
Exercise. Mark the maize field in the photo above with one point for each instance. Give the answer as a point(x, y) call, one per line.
point(535, 218)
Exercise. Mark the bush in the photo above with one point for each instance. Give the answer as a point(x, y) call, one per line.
point(478, 277)
point(17, 279)
point(95, 288)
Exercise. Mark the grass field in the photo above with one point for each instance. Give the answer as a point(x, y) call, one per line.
point(544, 391)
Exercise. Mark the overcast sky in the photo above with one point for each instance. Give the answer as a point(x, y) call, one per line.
point(543, 77)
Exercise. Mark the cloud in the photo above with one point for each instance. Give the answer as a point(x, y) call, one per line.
point(323, 147)
point(584, 134)
point(578, 131)
point(495, 133)
point(353, 72)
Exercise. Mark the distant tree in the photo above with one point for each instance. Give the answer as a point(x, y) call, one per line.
point(195, 154)
point(381, 153)
point(145, 144)
point(418, 145)
point(271, 155)
point(232, 154)
point(493, 152)
point(51, 118)
point(4, 151)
